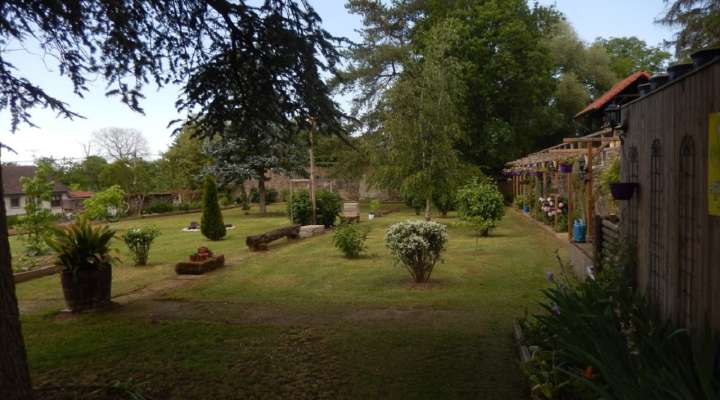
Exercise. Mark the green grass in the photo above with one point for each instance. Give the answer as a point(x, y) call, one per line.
point(301, 321)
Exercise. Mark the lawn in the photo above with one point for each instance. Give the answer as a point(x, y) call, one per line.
point(301, 321)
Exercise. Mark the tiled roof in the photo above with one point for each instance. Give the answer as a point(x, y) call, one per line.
point(602, 101)
point(81, 195)
point(11, 175)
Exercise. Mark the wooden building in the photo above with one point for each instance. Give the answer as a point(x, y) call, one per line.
point(666, 151)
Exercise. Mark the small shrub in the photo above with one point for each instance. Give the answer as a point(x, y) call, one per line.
point(284, 195)
point(417, 245)
point(299, 208)
point(374, 206)
point(444, 201)
point(254, 195)
point(13, 220)
point(138, 240)
point(350, 240)
point(159, 207)
point(271, 196)
point(480, 204)
point(211, 224)
point(329, 206)
point(414, 202)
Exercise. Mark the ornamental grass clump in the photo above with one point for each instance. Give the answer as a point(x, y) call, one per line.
point(139, 240)
point(350, 239)
point(417, 245)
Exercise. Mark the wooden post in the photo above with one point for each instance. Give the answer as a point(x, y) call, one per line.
point(312, 175)
point(544, 182)
point(570, 203)
point(589, 191)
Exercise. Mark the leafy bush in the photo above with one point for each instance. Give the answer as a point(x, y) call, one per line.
point(254, 195)
point(211, 224)
point(81, 246)
point(36, 223)
point(159, 207)
point(520, 200)
point(350, 239)
point(414, 202)
point(138, 240)
point(444, 201)
point(300, 208)
point(329, 206)
point(417, 245)
point(13, 220)
point(284, 195)
point(106, 205)
point(374, 206)
point(271, 196)
point(604, 336)
point(480, 204)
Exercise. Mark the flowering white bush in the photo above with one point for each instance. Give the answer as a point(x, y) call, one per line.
point(417, 245)
point(139, 240)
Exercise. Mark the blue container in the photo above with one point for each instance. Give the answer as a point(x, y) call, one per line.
point(526, 208)
point(579, 229)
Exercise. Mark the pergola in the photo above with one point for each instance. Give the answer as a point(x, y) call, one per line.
point(590, 146)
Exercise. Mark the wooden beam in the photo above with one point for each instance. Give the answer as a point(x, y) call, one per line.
point(589, 191)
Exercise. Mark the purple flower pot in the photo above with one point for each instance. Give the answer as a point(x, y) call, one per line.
point(623, 191)
point(566, 168)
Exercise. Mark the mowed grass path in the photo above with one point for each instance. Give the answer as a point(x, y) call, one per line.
point(301, 321)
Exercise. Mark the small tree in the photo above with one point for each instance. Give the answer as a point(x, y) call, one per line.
point(36, 223)
point(480, 204)
point(138, 240)
point(417, 245)
point(211, 224)
point(107, 205)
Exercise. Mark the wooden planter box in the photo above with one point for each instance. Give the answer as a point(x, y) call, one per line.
point(199, 267)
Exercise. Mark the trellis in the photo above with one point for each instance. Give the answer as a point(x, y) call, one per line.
point(658, 275)
point(688, 234)
point(589, 146)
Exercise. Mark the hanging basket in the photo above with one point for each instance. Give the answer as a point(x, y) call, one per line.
point(623, 191)
point(566, 168)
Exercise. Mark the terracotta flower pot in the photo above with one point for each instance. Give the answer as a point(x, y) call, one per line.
point(87, 289)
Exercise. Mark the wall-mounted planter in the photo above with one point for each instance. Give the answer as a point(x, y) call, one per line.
point(566, 168)
point(623, 190)
point(703, 57)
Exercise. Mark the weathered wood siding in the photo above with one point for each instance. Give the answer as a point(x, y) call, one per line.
point(669, 115)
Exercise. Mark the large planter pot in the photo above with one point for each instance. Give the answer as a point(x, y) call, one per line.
point(659, 80)
point(623, 191)
point(87, 289)
point(703, 57)
point(566, 168)
point(676, 71)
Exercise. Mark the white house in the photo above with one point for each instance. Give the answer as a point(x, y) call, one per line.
point(15, 198)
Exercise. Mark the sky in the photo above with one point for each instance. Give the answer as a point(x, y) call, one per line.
point(61, 138)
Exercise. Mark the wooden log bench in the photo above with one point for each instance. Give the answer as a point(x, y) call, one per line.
point(260, 242)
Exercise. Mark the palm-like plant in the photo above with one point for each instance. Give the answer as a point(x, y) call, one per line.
point(81, 246)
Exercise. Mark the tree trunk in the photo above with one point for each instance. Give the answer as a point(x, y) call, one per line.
point(14, 374)
point(427, 210)
point(262, 193)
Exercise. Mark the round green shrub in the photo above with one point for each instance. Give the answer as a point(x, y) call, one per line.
point(138, 240)
point(350, 239)
point(329, 205)
point(299, 208)
point(480, 204)
point(211, 224)
point(444, 201)
point(417, 246)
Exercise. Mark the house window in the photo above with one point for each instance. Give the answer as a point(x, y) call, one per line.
point(658, 273)
point(687, 233)
point(14, 202)
point(56, 201)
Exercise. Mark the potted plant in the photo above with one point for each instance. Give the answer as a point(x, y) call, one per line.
point(374, 208)
point(83, 252)
point(566, 166)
